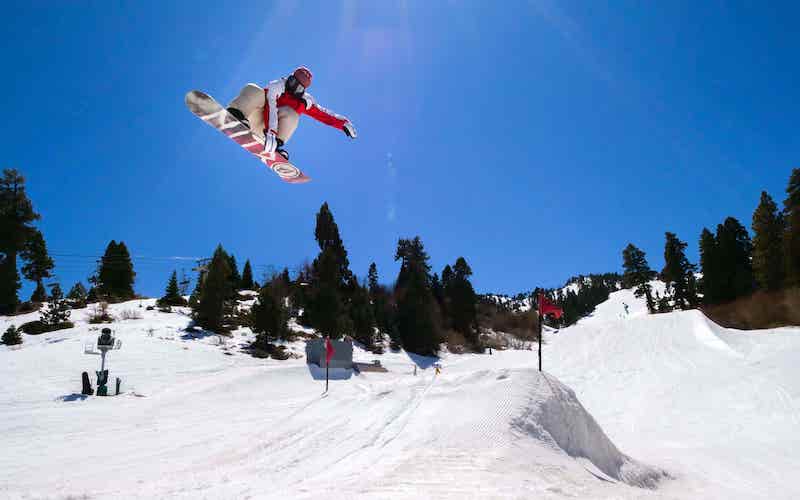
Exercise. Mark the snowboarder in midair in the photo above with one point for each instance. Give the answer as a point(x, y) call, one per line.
point(273, 113)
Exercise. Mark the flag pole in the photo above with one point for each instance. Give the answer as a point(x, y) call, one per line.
point(540, 330)
point(327, 367)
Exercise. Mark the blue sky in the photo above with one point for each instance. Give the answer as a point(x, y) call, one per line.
point(535, 139)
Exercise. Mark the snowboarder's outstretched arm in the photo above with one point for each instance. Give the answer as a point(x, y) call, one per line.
point(328, 117)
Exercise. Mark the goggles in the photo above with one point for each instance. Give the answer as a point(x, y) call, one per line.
point(294, 86)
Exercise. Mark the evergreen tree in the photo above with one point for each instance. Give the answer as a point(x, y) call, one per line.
point(115, 275)
point(637, 273)
point(791, 236)
point(9, 284)
point(214, 292)
point(330, 279)
point(361, 315)
point(235, 278)
point(677, 272)
point(463, 301)
point(77, 295)
point(247, 277)
point(269, 316)
point(38, 264)
point(172, 294)
point(416, 314)
point(768, 265)
point(733, 254)
point(39, 293)
point(16, 216)
point(709, 267)
point(183, 284)
point(379, 297)
point(12, 336)
point(57, 312)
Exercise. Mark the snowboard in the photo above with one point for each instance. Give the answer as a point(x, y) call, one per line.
point(210, 111)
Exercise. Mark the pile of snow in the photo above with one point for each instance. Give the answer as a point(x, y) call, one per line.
point(554, 415)
point(223, 424)
point(718, 408)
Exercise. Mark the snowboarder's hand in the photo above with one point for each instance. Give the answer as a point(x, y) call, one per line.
point(349, 130)
point(270, 141)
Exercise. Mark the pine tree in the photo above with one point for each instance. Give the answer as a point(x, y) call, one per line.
point(709, 267)
point(184, 283)
point(235, 278)
point(361, 315)
point(247, 277)
point(768, 228)
point(463, 301)
point(637, 273)
point(12, 336)
point(16, 216)
point(269, 316)
point(330, 279)
point(214, 292)
point(416, 315)
point(38, 264)
point(791, 236)
point(381, 305)
point(733, 253)
point(39, 293)
point(9, 284)
point(172, 294)
point(677, 272)
point(115, 275)
point(57, 313)
point(77, 295)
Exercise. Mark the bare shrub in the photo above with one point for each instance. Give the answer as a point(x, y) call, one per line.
point(98, 313)
point(757, 311)
point(456, 342)
point(130, 314)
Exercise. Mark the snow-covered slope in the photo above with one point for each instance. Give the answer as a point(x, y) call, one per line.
point(202, 420)
point(718, 408)
point(715, 409)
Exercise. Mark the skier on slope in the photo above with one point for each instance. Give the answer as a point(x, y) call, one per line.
point(275, 111)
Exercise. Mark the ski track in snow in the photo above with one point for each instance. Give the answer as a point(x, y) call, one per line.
point(654, 397)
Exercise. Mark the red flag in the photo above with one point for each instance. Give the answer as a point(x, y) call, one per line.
point(547, 307)
point(328, 350)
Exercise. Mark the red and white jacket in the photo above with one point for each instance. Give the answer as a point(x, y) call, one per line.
point(276, 96)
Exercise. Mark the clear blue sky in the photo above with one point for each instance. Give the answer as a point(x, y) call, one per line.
point(535, 138)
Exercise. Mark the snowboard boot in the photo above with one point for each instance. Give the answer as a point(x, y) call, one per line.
point(282, 151)
point(239, 116)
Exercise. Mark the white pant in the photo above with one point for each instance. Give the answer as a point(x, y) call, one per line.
point(251, 101)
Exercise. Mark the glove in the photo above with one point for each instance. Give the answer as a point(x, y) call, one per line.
point(270, 141)
point(349, 130)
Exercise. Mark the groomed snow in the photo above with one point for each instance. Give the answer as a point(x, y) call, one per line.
point(637, 398)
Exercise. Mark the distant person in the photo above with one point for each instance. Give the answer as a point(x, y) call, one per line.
point(626, 308)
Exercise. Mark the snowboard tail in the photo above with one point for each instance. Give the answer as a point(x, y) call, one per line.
point(210, 111)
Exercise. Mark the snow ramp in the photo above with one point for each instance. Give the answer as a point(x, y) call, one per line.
point(554, 416)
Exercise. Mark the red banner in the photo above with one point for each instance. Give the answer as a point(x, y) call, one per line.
point(547, 307)
point(328, 350)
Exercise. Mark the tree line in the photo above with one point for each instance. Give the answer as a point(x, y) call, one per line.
point(418, 312)
point(732, 265)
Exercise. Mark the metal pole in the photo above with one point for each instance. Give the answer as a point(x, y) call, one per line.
point(540, 338)
point(327, 366)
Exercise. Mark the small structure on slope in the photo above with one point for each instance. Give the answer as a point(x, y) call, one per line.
point(105, 342)
point(342, 353)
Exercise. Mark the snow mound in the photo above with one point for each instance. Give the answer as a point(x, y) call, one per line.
point(555, 416)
